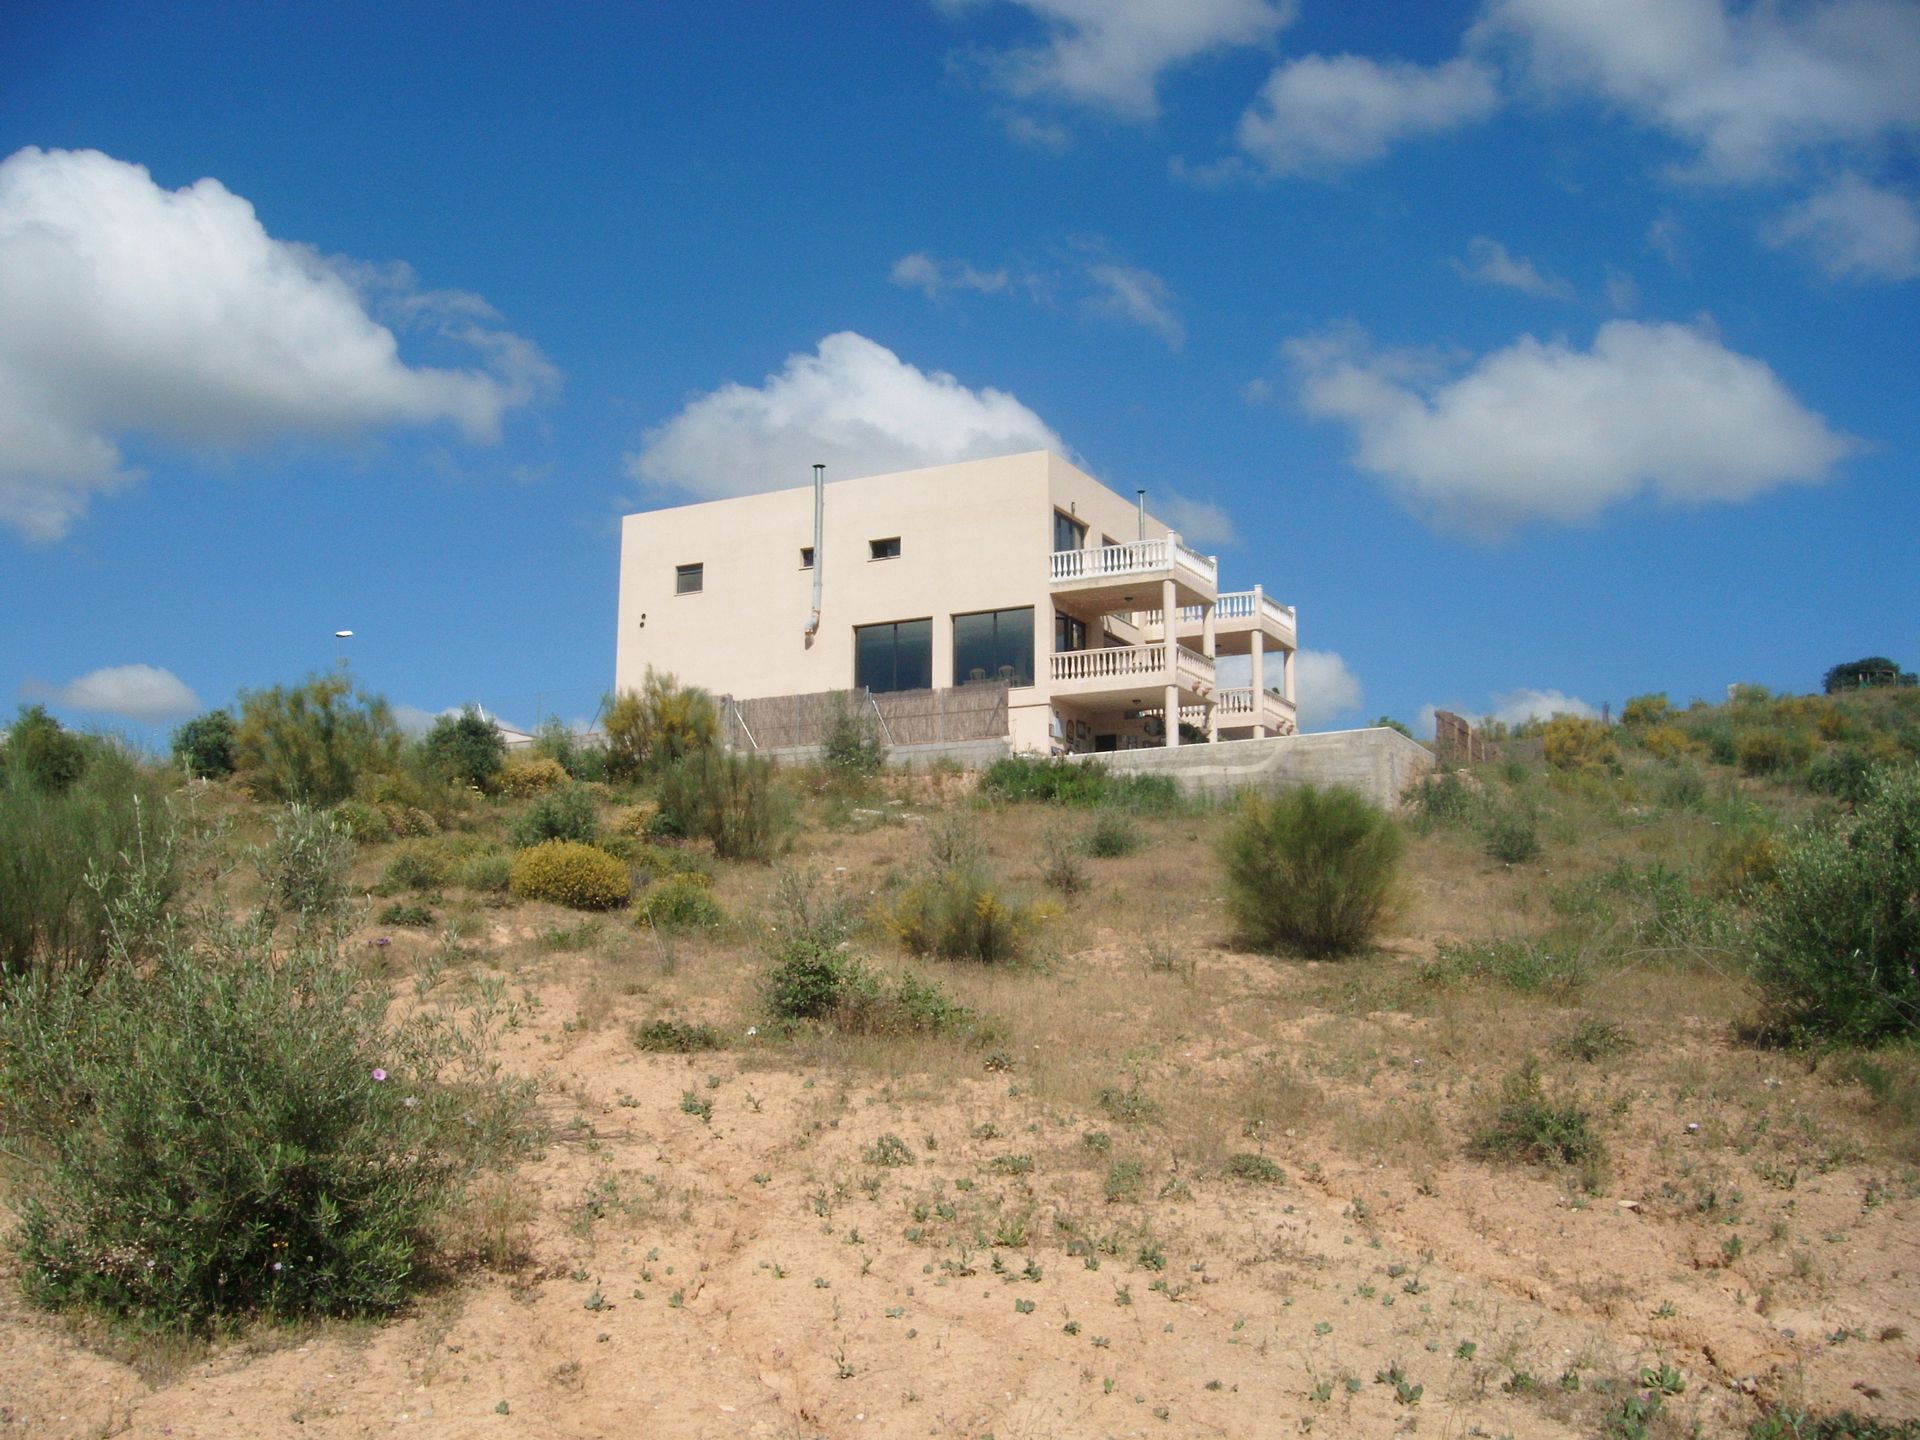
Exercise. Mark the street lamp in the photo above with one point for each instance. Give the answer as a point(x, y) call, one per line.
point(339, 655)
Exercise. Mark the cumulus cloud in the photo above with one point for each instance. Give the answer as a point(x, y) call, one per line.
point(126, 308)
point(1541, 431)
point(1110, 54)
point(1488, 260)
point(920, 271)
point(1137, 296)
point(1325, 690)
point(1323, 113)
point(853, 405)
point(134, 692)
point(1748, 87)
point(1198, 522)
point(1516, 707)
point(1856, 231)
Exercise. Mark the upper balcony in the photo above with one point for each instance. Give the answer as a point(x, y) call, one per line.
point(1237, 616)
point(1129, 577)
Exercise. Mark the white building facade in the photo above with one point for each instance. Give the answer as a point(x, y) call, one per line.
point(1020, 569)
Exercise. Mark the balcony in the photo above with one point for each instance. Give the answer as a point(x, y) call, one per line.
point(1236, 616)
point(1241, 707)
point(1124, 577)
point(1130, 671)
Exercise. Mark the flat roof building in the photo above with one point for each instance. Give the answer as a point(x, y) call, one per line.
point(1020, 570)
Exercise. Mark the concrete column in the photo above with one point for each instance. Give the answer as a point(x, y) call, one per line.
point(1289, 673)
point(1209, 632)
point(1259, 680)
point(1170, 645)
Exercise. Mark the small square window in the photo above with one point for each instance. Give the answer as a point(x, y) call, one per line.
point(806, 557)
point(689, 579)
point(888, 549)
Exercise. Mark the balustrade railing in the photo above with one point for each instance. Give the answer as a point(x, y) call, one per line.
point(1133, 662)
point(1136, 557)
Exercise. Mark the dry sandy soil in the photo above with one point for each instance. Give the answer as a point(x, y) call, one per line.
point(755, 1271)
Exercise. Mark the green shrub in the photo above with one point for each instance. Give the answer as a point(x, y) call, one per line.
point(203, 746)
point(368, 824)
point(1512, 836)
point(417, 866)
point(523, 776)
point(409, 822)
point(1845, 772)
point(1528, 966)
point(1113, 835)
point(1841, 1425)
point(559, 742)
point(732, 800)
point(680, 902)
point(1445, 798)
point(231, 1131)
point(635, 820)
point(568, 813)
point(1060, 867)
point(808, 947)
point(568, 873)
point(1838, 932)
point(1310, 870)
point(313, 742)
point(675, 1037)
point(1593, 1039)
point(903, 1004)
point(75, 856)
point(853, 746)
point(303, 868)
point(1257, 1168)
point(412, 915)
point(1772, 751)
point(1669, 742)
point(1642, 711)
point(468, 748)
point(490, 872)
point(1575, 743)
point(1528, 1126)
point(42, 753)
point(957, 914)
point(660, 723)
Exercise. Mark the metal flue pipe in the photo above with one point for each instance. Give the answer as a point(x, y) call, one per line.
point(819, 506)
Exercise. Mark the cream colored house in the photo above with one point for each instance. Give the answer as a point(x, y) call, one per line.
point(1020, 569)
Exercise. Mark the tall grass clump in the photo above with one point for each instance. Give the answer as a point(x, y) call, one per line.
point(233, 1130)
point(1838, 933)
point(1310, 870)
point(954, 907)
point(733, 800)
point(72, 851)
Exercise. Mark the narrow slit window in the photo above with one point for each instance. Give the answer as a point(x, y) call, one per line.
point(806, 557)
point(888, 549)
point(689, 579)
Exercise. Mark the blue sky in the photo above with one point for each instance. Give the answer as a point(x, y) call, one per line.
point(1542, 352)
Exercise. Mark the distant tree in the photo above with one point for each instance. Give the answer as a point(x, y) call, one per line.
point(204, 745)
point(42, 752)
point(1387, 722)
point(657, 724)
point(313, 742)
point(467, 748)
point(1860, 674)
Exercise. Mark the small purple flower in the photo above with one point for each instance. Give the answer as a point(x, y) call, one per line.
point(379, 1075)
point(383, 942)
point(276, 1267)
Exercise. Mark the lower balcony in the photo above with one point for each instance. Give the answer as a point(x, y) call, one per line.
point(1242, 707)
point(1131, 674)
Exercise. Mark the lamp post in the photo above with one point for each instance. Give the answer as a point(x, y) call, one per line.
point(339, 650)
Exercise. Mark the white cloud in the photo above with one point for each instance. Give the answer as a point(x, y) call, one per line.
point(1322, 113)
point(920, 271)
point(1140, 297)
point(126, 308)
point(1540, 431)
point(1324, 688)
point(1110, 54)
point(1516, 707)
point(1488, 260)
point(1198, 522)
point(1749, 88)
point(853, 405)
point(135, 692)
point(1856, 231)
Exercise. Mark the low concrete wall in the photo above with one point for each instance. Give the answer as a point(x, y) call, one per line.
point(1379, 763)
point(967, 754)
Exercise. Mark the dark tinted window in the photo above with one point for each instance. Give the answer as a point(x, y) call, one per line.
point(688, 579)
point(1068, 533)
point(993, 640)
point(894, 656)
point(885, 549)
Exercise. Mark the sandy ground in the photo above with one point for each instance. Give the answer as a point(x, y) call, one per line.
point(755, 1272)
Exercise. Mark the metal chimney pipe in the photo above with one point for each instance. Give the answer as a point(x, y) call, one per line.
point(819, 507)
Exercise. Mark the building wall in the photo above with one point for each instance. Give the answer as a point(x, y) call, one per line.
point(973, 536)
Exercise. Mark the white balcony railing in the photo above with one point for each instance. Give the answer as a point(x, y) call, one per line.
point(1234, 605)
point(1133, 662)
point(1138, 557)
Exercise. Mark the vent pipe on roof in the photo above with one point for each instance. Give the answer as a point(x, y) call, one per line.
point(1143, 513)
point(819, 556)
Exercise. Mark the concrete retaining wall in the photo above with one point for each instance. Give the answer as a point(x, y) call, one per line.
point(967, 754)
point(1379, 763)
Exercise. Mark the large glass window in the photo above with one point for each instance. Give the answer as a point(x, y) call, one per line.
point(993, 641)
point(1068, 533)
point(894, 656)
